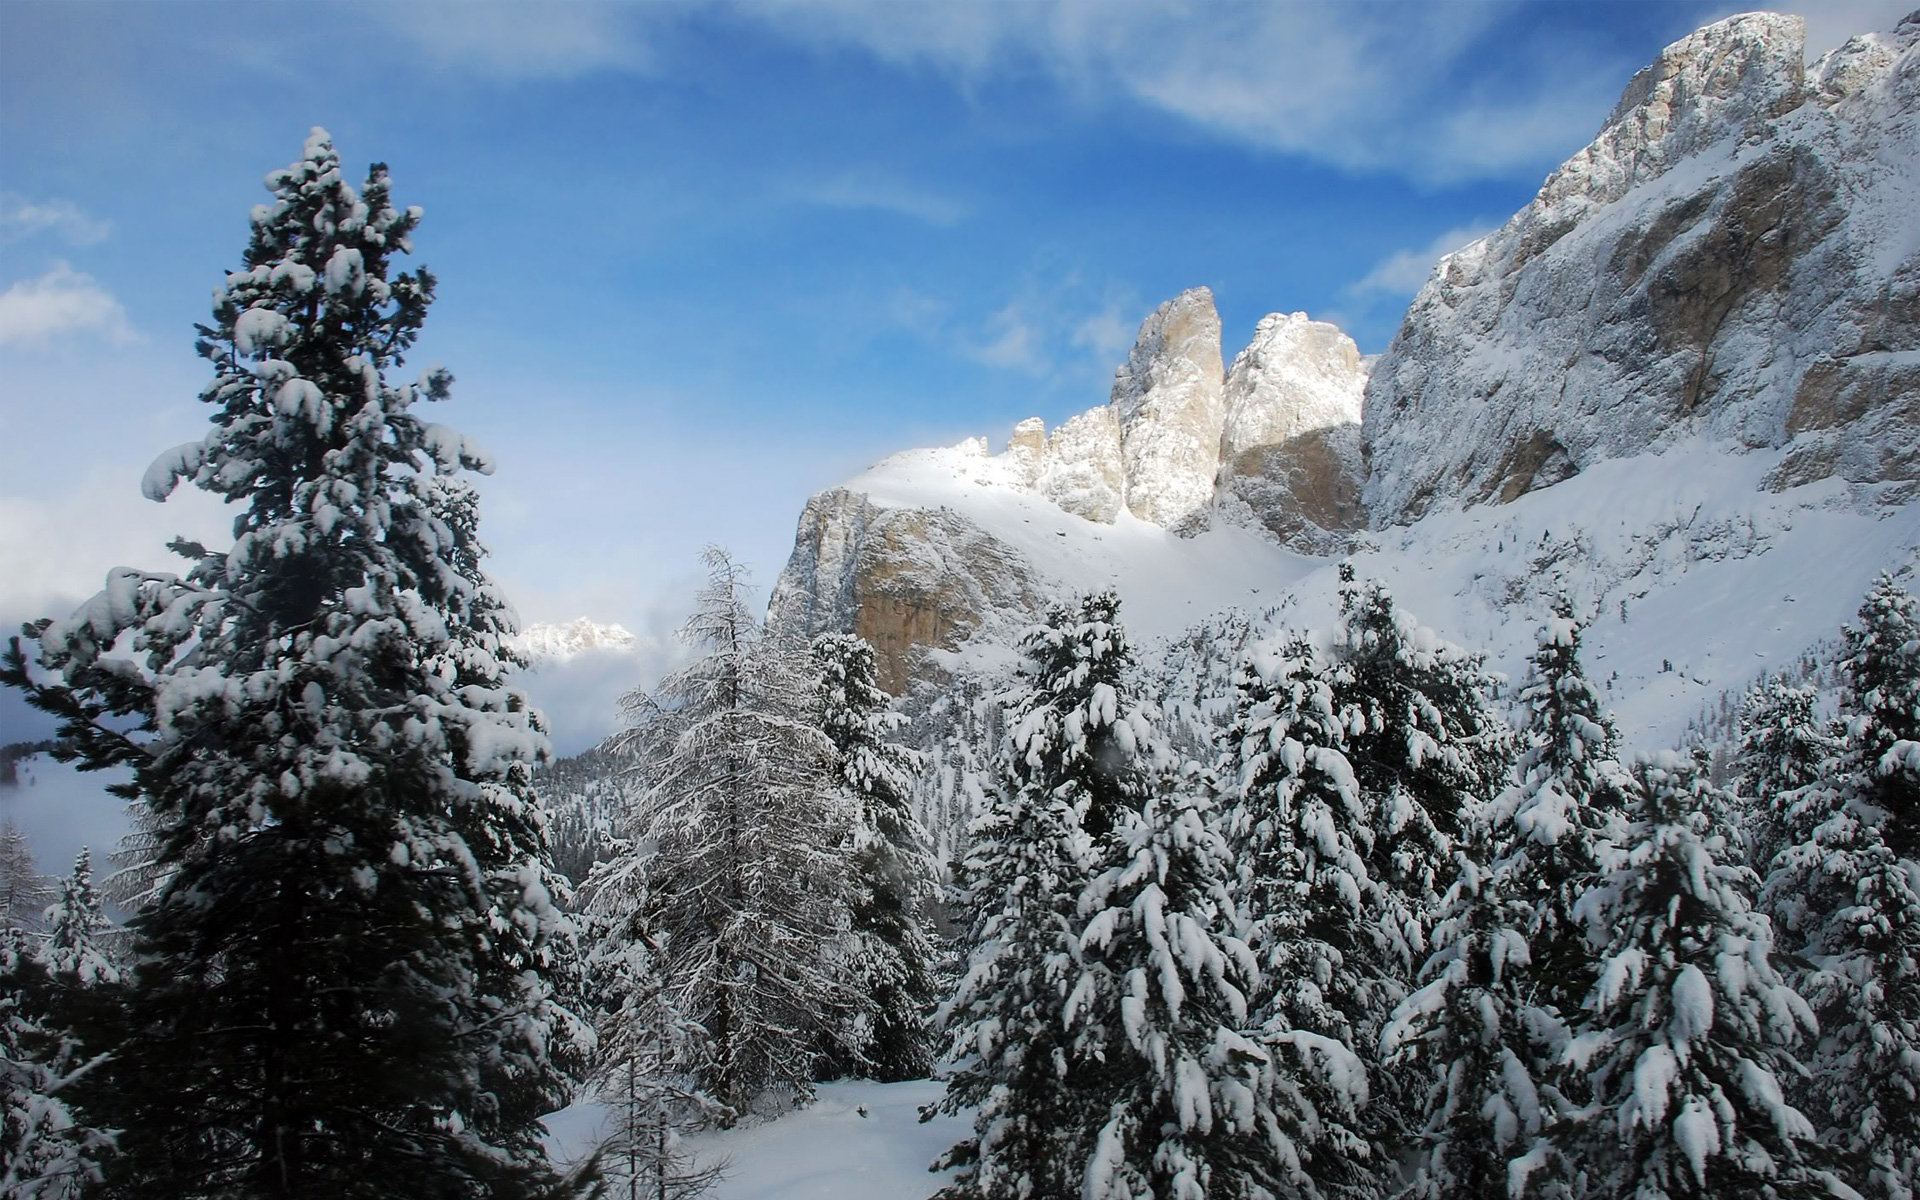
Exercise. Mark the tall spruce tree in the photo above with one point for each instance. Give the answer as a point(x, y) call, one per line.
point(1470, 1033)
point(344, 977)
point(1689, 1031)
point(50, 1149)
point(1080, 749)
point(1784, 746)
point(1193, 1105)
point(1323, 933)
point(1847, 903)
point(890, 955)
point(1424, 739)
point(737, 831)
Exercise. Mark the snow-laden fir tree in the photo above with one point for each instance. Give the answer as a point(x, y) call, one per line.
point(1193, 1106)
point(1011, 1061)
point(344, 976)
point(1079, 746)
point(1882, 708)
point(1324, 937)
point(24, 891)
point(1077, 728)
point(737, 831)
point(49, 1148)
point(641, 1071)
point(58, 1009)
point(1847, 904)
point(1784, 746)
point(1550, 832)
point(1689, 1031)
point(1424, 739)
point(890, 956)
point(1473, 1034)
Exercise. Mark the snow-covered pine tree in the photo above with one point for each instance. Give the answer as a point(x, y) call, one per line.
point(1471, 1033)
point(1193, 1107)
point(1079, 747)
point(1689, 1031)
point(1550, 832)
point(1784, 746)
point(738, 828)
point(24, 891)
point(1011, 1061)
point(49, 1147)
point(343, 982)
point(1077, 728)
point(890, 955)
point(1881, 706)
point(1847, 905)
point(1425, 741)
point(73, 949)
point(1321, 931)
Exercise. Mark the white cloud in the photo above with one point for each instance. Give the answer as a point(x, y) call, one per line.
point(526, 41)
point(1056, 325)
point(874, 191)
point(62, 301)
point(1401, 273)
point(1108, 333)
point(1832, 22)
point(22, 218)
point(1359, 86)
point(57, 544)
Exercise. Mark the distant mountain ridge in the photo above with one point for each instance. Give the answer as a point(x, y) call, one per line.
point(559, 643)
point(1683, 386)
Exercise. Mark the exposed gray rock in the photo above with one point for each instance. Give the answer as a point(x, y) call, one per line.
point(1290, 443)
point(1734, 256)
point(1082, 470)
point(905, 579)
point(1168, 400)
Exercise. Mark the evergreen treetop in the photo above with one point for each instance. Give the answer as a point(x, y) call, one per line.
point(346, 972)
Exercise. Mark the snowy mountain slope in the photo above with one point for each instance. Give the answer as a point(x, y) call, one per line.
point(1735, 256)
point(1718, 579)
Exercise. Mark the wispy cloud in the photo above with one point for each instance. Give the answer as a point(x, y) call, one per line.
point(526, 41)
point(1055, 326)
point(1370, 87)
point(1401, 273)
point(865, 189)
point(63, 301)
point(22, 218)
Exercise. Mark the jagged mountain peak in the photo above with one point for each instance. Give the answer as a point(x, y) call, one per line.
point(543, 643)
point(1733, 257)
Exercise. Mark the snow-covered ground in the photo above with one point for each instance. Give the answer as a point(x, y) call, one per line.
point(1693, 578)
point(857, 1141)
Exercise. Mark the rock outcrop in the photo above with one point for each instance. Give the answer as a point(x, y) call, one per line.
point(905, 579)
point(1734, 256)
point(1083, 470)
point(1290, 442)
point(1168, 398)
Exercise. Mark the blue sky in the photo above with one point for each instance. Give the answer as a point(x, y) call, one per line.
point(699, 260)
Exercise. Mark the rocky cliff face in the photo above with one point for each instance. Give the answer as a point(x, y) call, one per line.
point(905, 579)
point(1290, 441)
point(1168, 399)
point(1735, 256)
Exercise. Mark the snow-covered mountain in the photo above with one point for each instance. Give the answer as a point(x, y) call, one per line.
point(1735, 257)
point(1683, 385)
point(545, 644)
